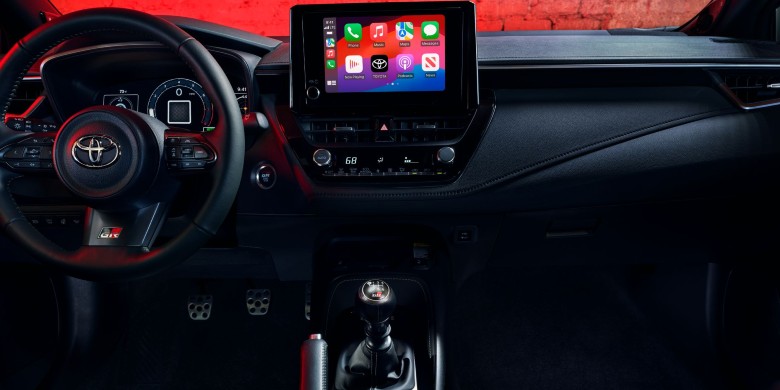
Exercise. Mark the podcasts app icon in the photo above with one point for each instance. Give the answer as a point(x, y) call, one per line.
point(404, 63)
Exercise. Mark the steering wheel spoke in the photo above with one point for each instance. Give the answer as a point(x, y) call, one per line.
point(129, 228)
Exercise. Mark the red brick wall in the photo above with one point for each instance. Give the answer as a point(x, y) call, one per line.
point(272, 17)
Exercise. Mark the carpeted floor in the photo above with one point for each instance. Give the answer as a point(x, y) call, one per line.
point(164, 349)
point(558, 328)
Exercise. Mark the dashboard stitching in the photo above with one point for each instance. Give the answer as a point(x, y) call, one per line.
point(605, 142)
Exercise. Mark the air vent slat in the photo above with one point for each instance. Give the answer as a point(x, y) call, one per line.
point(25, 95)
point(399, 130)
point(752, 88)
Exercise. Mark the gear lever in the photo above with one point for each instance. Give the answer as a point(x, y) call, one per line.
point(375, 362)
point(375, 302)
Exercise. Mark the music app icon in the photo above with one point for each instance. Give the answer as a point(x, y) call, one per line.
point(378, 31)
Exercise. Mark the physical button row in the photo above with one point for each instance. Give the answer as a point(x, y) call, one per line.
point(375, 174)
point(34, 125)
point(28, 152)
point(55, 220)
point(197, 152)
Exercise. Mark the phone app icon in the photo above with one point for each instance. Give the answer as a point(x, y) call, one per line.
point(354, 64)
point(378, 31)
point(353, 32)
point(404, 31)
point(430, 30)
point(404, 63)
point(330, 64)
point(430, 62)
point(330, 53)
point(379, 63)
point(330, 42)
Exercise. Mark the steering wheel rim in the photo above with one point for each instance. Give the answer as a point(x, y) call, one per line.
point(227, 140)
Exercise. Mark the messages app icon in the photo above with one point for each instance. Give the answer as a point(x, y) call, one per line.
point(430, 30)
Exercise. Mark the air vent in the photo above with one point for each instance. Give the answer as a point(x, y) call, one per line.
point(399, 130)
point(753, 89)
point(25, 96)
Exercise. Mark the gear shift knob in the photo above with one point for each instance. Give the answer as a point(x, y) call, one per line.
point(375, 301)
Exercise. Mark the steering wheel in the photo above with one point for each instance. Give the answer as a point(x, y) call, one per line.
point(114, 160)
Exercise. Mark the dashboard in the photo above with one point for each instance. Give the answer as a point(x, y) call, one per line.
point(544, 134)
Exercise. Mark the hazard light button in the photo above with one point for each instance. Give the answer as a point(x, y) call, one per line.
point(384, 124)
point(384, 128)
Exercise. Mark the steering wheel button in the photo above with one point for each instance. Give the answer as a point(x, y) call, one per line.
point(186, 151)
point(32, 151)
point(25, 164)
point(46, 153)
point(15, 153)
point(193, 164)
point(200, 152)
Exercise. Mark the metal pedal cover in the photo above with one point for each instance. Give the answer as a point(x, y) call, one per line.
point(258, 301)
point(199, 307)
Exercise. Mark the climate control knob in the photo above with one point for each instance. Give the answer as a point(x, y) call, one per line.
point(322, 157)
point(445, 155)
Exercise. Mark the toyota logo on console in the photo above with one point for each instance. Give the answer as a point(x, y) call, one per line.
point(95, 151)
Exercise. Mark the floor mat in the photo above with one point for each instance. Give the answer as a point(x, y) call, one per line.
point(164, 349)
point(557, 329)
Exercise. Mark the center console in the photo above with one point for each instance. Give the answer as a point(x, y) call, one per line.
point(378, 304)
point(384, 92)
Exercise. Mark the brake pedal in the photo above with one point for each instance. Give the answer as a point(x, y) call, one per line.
point(199, 307)
point(258, 301)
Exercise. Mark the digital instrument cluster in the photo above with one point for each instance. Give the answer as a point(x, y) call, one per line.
point(179, 102)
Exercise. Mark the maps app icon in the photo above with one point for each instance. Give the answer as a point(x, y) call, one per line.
point(404, 31)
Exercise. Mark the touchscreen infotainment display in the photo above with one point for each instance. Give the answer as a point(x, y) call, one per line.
point(403, 53)
point(383, 58)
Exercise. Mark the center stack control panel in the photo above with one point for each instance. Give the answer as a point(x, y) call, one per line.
point(384, 92)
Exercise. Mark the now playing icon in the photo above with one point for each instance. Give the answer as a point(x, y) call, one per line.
point(430, 62)
point(354, 64)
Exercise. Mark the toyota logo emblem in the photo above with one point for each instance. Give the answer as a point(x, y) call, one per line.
point(95, 151)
